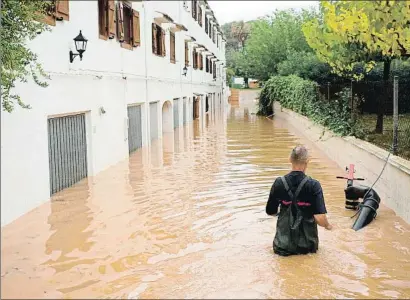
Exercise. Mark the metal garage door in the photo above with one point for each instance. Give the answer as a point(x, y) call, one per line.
point(134, 128)
point(67, 146)
point(153, 109)
point(184, 111)
point(176, 113)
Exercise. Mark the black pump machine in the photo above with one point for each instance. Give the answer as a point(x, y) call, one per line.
point(367, 209)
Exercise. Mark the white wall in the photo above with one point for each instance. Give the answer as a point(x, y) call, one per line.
point(109, 76)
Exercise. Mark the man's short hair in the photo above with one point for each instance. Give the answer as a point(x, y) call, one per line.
point(299, 155)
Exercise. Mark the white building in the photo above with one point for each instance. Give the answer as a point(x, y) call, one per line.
point(126, 91)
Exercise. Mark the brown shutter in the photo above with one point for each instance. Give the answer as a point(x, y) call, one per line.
point(202, 61)
point(62, 10)
point(193, 9)
point(154, 39)
point(200, 16)
point(163, 49)
point(136, 28)
point(186, 54)
point(111, 19)
point(194, 58)
point(120, 22)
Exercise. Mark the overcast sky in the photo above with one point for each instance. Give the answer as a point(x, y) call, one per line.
point(228, 11)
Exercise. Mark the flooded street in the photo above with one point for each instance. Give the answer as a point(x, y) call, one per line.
point(186, 219)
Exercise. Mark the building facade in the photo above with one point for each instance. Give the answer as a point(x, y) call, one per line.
point(148, 68)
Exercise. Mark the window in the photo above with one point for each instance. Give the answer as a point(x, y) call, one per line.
point(207, 65)
point(172, 46)
point(57, 10)
point(201, 61)
point(195, 58)
point(158, 40)
point(128, 27)
point(194, 5)
point(210, 29)
point(214, 69)
point(210, 66)
point(217, 40)
point(186, 54)
point(200, 15)
point(206, 24)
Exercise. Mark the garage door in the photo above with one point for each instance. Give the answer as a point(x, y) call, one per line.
point(134, 128)
point(153, 109)
point(176, 113)
point(67, 146)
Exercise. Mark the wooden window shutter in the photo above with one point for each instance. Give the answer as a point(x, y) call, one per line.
point(120, 22)
point(186, 54)
point(136, 37)
point(201, 62)
point(163, 49)
point(62, 10)
point(194, 58)
point(193, 8)
point(200, 16)
point(154, 39)
point(111, 19)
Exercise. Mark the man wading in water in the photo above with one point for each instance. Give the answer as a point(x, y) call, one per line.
point(302, 207)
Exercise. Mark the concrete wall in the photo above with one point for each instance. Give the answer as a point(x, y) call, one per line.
point(108, 76)
point(393, 185)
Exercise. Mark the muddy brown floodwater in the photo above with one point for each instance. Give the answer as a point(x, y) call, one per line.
point(186, 219)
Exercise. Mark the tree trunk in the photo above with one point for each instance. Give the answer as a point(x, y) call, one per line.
point(383, 95)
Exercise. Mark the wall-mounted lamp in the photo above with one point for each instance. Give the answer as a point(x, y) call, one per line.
point(80, 45)
point(184, 71)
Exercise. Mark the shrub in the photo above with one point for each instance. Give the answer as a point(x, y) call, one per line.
point(303, 97)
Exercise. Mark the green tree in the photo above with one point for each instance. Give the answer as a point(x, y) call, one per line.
point(273, 38)
point(355, 32)
point(21, 21)
point(307, 66)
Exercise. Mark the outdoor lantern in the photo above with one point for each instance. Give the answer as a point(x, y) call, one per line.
point(80, 45)
point(184, 71)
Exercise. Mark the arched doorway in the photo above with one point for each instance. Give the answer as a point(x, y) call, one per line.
point(167, 117)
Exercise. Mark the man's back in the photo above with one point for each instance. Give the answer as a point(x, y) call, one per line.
point(299, 200)
point(310, 198)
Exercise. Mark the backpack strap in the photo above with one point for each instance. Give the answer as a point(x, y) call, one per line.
point(301, 184)
point(285, 183)
point(293, 197)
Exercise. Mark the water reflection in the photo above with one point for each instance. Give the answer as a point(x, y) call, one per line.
point(185, 218)
point(69, 220)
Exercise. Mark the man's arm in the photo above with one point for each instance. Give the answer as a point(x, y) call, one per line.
point(273, 201)
point(319, 207)
point(321, 220)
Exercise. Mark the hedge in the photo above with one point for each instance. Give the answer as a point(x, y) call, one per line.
point(303, 97)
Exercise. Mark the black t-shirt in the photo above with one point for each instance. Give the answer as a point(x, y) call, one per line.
point(311, 194)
